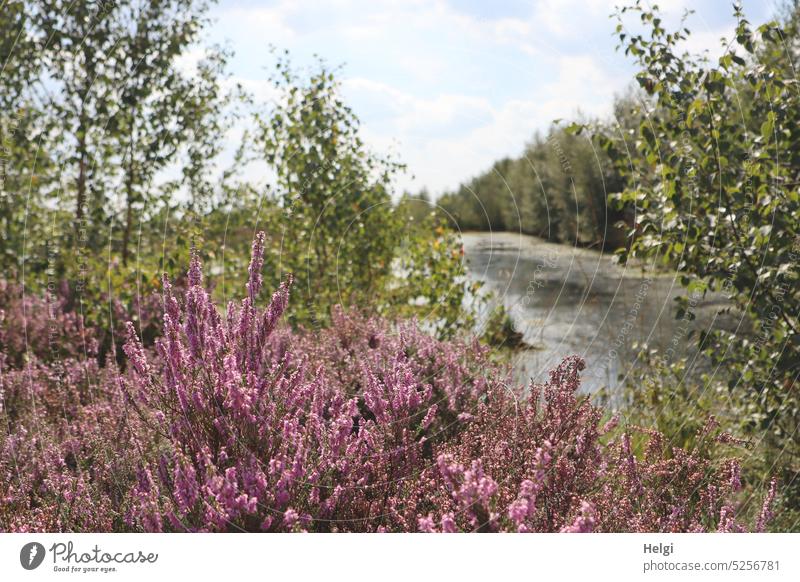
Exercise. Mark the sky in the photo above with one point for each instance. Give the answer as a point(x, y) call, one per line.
point(450, 86)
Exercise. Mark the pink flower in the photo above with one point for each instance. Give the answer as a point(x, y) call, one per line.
point(585, 522)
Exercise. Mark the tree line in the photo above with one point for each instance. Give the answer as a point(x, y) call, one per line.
point(113, 120)
point(557, 190)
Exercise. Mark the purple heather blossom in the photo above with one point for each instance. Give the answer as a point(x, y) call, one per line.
point(238, 422)
point(585, 522)
point(766, 508)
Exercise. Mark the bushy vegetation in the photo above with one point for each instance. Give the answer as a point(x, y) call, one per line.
point(699, 169)
point(109, 179)
point(235, 423)
point(717, 197)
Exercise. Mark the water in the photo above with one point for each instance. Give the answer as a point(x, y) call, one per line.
point(575, 301)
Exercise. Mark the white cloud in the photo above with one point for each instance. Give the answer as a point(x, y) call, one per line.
point(409, 113)
point(709, 42)
point(459, 136)
point(583, 81)
point(439, 152)
point(449, 89)
point(258, 23)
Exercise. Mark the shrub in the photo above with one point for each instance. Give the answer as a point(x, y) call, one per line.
point(235, 423)
point(65, 324)
point(500, 331)
point(271, 431)
point(69, 451)
point(41, 326)
point(388, 432)
point(714, 182)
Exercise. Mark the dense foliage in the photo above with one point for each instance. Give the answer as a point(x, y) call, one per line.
point(557, 189)
point(716, 195)
point(337, 230)
point(114, 168)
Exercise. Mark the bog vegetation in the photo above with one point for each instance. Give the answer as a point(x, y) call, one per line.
point(135, 396)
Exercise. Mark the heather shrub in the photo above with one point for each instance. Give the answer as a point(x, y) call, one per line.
point(548, 463)
point(65, 452)
point(64, 323)
point(372, 427)
point(65, 456)
point(234, 422)
point(682, 404)
point(41, 326)
point(271, 431)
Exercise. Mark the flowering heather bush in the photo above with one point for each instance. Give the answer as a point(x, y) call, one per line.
point(275, 432)
point(547, 464)
point(65, 463)
point(52, 327)
point(41, 326)
point(236, 423)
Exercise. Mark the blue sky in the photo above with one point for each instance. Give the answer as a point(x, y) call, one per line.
point(451, 86)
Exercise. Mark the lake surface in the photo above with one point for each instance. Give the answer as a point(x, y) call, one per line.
point(575, 301)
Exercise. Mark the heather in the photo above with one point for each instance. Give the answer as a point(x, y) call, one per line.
point(63, 324)
point(233, 421)
point(41, 326)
